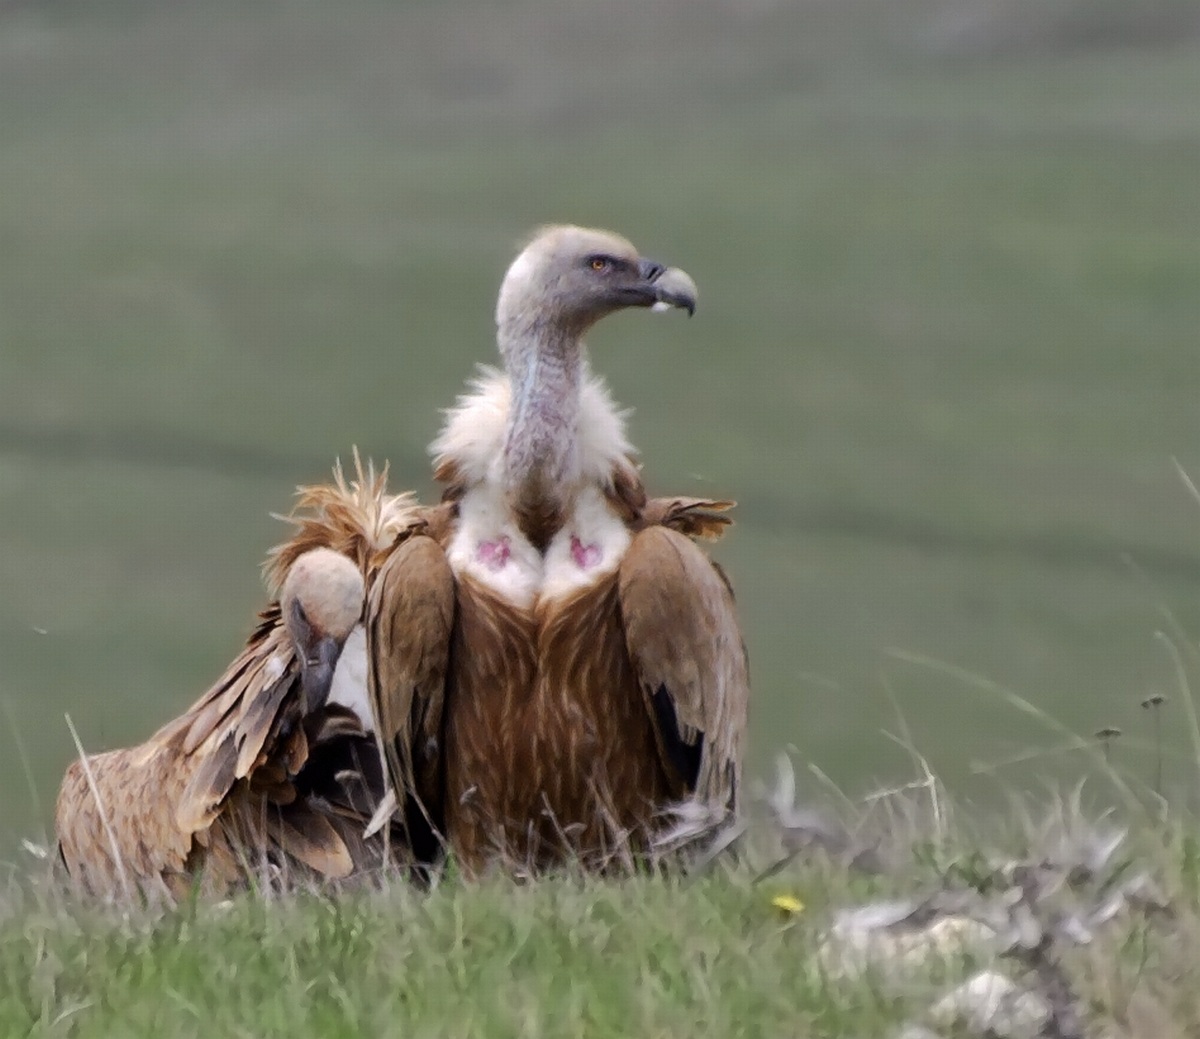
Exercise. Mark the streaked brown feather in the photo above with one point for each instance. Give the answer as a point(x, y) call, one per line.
point(333, 722)
point(627, 494)
point(150, 847)
point(293, 753)
point(268, 775)
point(212, 777)
point(550, 752)
point(310, 837)
point(694, 517)
point(260, 720)
point(206, 715)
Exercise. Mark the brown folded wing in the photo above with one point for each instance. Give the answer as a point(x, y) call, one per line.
point(213, 791)
point(410, 618)
point(682, 635)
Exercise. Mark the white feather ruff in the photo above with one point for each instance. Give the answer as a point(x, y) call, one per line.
point(473, 435)
point(473, 440)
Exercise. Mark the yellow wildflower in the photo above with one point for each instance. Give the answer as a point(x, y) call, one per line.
point(788, 904)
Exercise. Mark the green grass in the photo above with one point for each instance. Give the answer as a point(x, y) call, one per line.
point(560, 959)
point(944, 356)
point(567, 956)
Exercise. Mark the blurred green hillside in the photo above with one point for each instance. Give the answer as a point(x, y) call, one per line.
point(949, 261)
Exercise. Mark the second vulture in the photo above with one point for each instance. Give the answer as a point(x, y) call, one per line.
point(553, 662)
point(273, 771)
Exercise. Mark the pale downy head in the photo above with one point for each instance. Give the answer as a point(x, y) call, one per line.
point(321, 602)
point(570, 277)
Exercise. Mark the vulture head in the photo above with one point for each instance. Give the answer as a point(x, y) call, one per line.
point(564, 281)
point(321, 602)
point(570, 277)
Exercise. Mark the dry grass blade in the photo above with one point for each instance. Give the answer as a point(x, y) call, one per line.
point(1188, 482)
point(26, 765)
point(383, 814)
point(118, 861)
point(987, 685)
point(1185, 690)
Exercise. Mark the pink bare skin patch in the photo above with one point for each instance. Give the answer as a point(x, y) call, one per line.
point(585, 556)
point(494, 554)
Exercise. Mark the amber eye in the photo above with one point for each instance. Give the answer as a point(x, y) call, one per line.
point(599, 263)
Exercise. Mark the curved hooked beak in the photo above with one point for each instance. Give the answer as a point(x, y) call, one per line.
point(316, 672)
point(318, 656)
point(668, 287)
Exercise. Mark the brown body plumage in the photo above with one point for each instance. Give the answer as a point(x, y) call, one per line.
point(557, 663)
point(564, 730)
point(260, 775)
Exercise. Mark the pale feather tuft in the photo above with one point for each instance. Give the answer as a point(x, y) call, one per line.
point(471, 443)
point(356, 518)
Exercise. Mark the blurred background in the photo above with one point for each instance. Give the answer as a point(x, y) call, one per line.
point(946, 354)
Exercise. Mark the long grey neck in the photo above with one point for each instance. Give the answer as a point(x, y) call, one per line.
point(545, 367)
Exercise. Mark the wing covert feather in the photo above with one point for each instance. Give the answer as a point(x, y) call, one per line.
point(682, 635)
point(410, 616)
point(222, 746)
point(696, 517)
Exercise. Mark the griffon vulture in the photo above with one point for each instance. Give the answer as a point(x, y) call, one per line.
point(558, 663)
point(273, 766)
